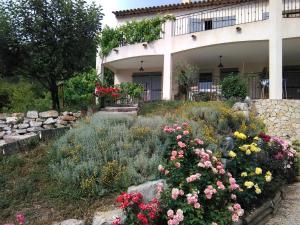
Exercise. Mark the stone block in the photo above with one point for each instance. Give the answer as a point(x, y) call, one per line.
point(106, 218)
point(21, 131)
point(48, 114)
point(35, 124)
point(32, 114)
point(23, 126)
point(70, 222)
point(49, 121)
point(11, 120)
point(68, 118)
point(19, 115)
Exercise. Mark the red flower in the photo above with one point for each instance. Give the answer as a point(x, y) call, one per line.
point(265, 137)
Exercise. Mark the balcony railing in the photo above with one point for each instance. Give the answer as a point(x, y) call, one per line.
point(291, 8)
point(219, 17)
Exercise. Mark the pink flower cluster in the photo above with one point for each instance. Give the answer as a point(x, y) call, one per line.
point(175, 155)
point(192, 199)
point(220, 185)
point(20, 218)
point(193, 177)
point(175, 219)
point(233, 184)
point(163, 170)
point(176, 192)
point(236, 211)
point(159, 189)
point(209, 191)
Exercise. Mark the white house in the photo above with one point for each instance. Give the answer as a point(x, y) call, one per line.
point(249, 37)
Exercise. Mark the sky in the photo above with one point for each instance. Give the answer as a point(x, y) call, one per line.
point(114, 5)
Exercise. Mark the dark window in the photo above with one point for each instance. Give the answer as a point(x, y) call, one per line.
point(225, 72)
point(208, 24)
point(205, 77)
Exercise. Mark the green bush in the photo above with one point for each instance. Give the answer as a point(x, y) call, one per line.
point(78, 91)
point(130, 92)
point(234, 87)
point(22, 96)
point(107, 146)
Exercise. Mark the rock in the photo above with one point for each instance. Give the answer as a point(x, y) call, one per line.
point(70, 222)
point(2, 142)
point(48, 114)
point(19, 115)
point(3, 116)
point(61, 122)
point(35, 124)
point(2, 125)
point(240, 106)
point(58, 125)
point(23, 126)
point(50, 121)
point(106, 218)
point(32, 114)
point(21, 131)
point(68, 118)
point(51, 126)
point(148, 189)
point(2, 122)
point(7, 128)
point(2, 133)
point(65, 113)
point(77, 115)
point(11, 120)
point(34, 129)
point(13, 138)
point(40, 120)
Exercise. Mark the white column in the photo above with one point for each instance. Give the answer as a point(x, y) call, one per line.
point(167, 72)
point(275, 49)
point(99, 66)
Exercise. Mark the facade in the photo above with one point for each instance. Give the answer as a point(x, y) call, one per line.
point(258, 39)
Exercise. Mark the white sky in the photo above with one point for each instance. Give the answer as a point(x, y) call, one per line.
point(108, 6)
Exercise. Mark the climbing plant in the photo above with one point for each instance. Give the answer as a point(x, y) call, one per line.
point(146, 30)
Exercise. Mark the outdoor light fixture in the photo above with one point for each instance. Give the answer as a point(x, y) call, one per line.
point(145, 45)
point(238, 29)
point(220, 65)
point(142, 69)
point(194, 36)
point(116, 50)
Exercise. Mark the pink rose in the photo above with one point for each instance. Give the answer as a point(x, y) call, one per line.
point(181, 144)
point(186, 132)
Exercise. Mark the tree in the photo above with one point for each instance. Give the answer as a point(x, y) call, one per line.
point(57, 39)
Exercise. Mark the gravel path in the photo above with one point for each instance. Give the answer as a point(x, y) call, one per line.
point(289, 212)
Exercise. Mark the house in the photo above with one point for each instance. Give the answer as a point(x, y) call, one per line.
point(258, 39)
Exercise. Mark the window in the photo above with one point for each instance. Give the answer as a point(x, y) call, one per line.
point(195, 25)
point(208, 24)
point(224, 21)
point(225, 72)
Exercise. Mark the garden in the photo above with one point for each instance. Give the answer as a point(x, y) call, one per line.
point(217, 165)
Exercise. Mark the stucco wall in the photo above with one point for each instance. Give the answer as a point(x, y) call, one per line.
point(282, 117)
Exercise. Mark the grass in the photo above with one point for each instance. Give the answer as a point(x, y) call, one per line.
point(26, 186)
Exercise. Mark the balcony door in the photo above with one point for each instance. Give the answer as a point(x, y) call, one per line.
point(151, 83)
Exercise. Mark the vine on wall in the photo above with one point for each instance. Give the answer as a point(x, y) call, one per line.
point(146, 30)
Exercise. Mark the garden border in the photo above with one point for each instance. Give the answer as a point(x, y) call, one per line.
point(31, 142)
point(265, 212)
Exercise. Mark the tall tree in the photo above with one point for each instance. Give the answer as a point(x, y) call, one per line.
point(57, 38)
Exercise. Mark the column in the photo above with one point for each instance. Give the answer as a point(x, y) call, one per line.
point(99, 66)
point(275, 49)
point(167, 71)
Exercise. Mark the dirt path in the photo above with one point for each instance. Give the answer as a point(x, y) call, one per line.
point(289, 212)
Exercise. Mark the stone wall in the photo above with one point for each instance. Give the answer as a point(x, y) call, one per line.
point(282, 117)
point(19, 126)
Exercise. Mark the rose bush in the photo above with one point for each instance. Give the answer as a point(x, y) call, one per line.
point(199, 190)
point(255, 161)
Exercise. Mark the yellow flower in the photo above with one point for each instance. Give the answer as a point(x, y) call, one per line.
point(232, 154)
point(244, 147)
point(268, 176)
point(240, 135)
point(256, 138)
point(244, 174)
point(248, 184)
point(254, 148)
point(248, 152)
point(257, 189)
point(258, 171)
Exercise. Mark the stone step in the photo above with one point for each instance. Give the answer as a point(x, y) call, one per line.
point(120, 109)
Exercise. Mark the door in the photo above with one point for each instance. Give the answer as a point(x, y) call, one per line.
point(151, 83)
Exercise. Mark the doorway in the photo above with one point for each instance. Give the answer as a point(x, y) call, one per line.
point(151, 83)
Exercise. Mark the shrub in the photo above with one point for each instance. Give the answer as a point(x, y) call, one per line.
point(234, 87)
point(255, 160)
point(22, 96)
point(78, 90)
point(124, 148)
point(130, 92)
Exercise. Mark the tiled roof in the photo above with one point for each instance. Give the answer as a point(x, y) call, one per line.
point(172, 7)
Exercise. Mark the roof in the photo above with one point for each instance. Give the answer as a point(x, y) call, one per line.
point(173, 7)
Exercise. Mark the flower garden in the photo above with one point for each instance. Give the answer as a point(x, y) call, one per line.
point(217, 166)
